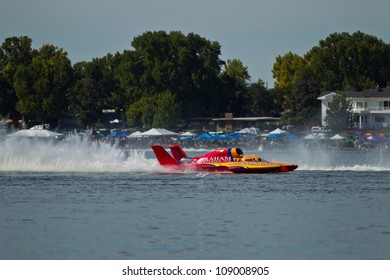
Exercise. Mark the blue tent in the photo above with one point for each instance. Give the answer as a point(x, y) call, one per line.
point(273, 136)
point(357, 133)
point(292, 136)
point(118, 134)
point(206, 136)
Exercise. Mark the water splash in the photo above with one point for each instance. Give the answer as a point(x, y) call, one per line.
point(334, 160)
point(72, 155)
point(78, 155)
point(357, 167)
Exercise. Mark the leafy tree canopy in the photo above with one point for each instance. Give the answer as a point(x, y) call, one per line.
point(187, 66)
point(338, 113)
point(14, 51)
point(169, 77)
point(234, 84)
point(342, 61)
point(41, 85)
point(351, 61)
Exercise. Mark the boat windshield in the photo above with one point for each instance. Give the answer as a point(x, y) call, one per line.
point(251, 158)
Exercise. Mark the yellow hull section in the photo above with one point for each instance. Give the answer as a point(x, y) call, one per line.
point(242, 167)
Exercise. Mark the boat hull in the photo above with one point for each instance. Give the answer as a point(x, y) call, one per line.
point(249, 167)
point(224, 160)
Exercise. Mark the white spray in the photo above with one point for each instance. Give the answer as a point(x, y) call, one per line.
point(71, 155)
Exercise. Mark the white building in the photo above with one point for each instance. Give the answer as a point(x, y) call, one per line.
point(371, 107)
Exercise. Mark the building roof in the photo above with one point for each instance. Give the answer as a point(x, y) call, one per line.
point(375, 92)
point(248, 119)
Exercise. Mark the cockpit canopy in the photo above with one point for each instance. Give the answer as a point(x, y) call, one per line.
point(226, 155)
point(236, 153)
point(250, 158)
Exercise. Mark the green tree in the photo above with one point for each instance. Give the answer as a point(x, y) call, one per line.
point(95, 89)
point(168, 113)
point(338, 114)
point(284, 70)
point(41, 86)
point(234, 78)
point(346, 61)
point(290, 87)
point(261, 101)
point(302, 102)
point(14, 51)
point(155, 110)
point(340, 62)
point(187, 66)
point(140, 114)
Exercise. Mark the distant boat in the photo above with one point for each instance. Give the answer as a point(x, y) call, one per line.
point(37, 132)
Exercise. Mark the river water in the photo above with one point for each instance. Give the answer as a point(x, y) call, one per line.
point(80, 200)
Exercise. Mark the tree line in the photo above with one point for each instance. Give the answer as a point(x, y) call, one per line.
point(169, 77)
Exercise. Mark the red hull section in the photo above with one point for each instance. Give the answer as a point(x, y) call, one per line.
point(223, 160)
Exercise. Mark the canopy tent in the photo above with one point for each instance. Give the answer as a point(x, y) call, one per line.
point(36, 133)
point(278, 131)
point(293, 136)
point(136, 134)
point(206, 136)
point(180, 137)
point(315, 136)
point(158, 132)
point(310, 137)
point(250, 130)
point(250, 136)
point(187, 133)
point(273, 136)
point(337, 137)
point(357, 133)
point(119, 134)
point(373, 139)
point(115, 121)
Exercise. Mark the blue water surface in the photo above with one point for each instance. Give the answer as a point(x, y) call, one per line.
point(85, 200)
point(305, 214)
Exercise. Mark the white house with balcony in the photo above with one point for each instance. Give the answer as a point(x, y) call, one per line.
point(371, 107)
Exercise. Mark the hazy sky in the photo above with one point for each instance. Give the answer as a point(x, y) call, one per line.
point(254, 31)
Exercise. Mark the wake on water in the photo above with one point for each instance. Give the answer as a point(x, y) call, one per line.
point(71, 155)
point(336, 160)
point(76, 154)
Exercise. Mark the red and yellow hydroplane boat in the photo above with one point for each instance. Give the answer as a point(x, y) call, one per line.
point(220, 160)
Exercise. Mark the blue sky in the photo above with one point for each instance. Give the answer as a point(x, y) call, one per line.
point(254, 31)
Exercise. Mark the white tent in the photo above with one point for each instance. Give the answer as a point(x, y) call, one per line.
point(187, 133)
point(135, 134)
point(36, 133)
point(278, 131)
point(251, 130)
point(115, 121)
point(310, 137)
point(337, 137)
point(315, 136)
point(158, 132)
